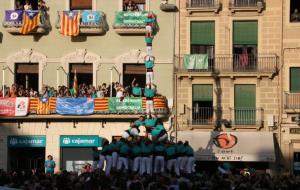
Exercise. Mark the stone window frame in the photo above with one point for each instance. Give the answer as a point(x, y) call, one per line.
point(147, 5)
point(287, 15)
point(94, 5)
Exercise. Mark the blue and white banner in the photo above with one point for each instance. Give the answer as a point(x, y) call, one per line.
point(75, 106)
point(91, 17)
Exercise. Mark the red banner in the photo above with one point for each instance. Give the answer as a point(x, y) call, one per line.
point(14, 106)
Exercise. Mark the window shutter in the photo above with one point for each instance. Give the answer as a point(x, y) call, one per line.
point(245, 96)
point(295, 79)
point(202, 33)
point(202, 92)
point(245, 33)
point(81, 4)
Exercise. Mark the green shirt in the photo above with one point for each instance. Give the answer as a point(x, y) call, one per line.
point(189, 150)
point(138, 123)
point(148, 40)
point(150, 122)
point(137, 91)
point(180, 149)
point(146, 149)
point(149, 92)
point(159, 148)
point(171, 150)
point(124, 149)
point(136, 150)
point(149, 64)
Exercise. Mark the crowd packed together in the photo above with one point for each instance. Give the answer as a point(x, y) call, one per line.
point(28, 6)
point(64, 180)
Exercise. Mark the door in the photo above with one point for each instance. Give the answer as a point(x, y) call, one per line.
point(131, 71)
point(74, 158)
point(26, 159)
point(27, 75)
point(84, 73)
point(245, 104)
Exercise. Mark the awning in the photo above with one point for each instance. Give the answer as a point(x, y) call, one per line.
point(231, 146)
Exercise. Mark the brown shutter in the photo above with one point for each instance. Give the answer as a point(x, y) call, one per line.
point(135, 1)
point(81, 4)
point(27, 68)
point(81, 68)
point(134, 69)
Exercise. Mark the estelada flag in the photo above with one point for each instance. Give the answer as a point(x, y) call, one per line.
point(70, 23)
point(43, 106)
point(31, 20)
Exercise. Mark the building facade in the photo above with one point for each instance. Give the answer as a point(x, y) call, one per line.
point(104, 52)
point(236, 75)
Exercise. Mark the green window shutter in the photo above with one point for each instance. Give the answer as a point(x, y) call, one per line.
point(203, 33)
point(295, 79)
point(245, 96)
point(202, 92)
point(245, 32)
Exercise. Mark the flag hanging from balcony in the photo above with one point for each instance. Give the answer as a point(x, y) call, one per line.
point(75, 86)
point(31, 20)
point(70, 23)
point(43, 107)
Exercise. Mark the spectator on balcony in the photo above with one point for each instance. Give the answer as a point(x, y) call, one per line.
point(295, 16)
point(27, 6)
point(13, 91)
point(120, 92)
point(19, 5)
point(244, 58)
point(42, 6)
point(131, 6)
point(136, 89)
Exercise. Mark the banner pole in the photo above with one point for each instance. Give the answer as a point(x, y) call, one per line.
point(3, 81)
point(111, 78)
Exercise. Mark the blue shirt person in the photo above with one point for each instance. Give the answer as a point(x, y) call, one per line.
point(49, 165)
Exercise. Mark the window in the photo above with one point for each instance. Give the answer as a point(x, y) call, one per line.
point(84, 73)
point(203, 39)
point(245, 104)
point(81, 4)
point(295, 79)
point(20, 4)
point(202, 112)
point(131, 71)
point(245, 37)
point(294, 11)
point(134, 5)
point(27, 75)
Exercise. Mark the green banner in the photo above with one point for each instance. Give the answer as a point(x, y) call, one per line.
point(196, 61)
point(26, 141)
point(130, 18)
point(79, 141)
point(128, 104)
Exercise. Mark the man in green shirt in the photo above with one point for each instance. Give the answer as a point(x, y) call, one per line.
point(190, 165)
point(107, 150)
point(159, 132)
point(124, 152)
point(150, 123)
point(180, 149)
point(133, 131)
point(136, 153)
point(149, 64)
point(171, 158)
point(147, 150)
point(136, 89)
point(159, 160)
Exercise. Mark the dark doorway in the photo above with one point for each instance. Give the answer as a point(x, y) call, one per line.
point(34, 3)
point(84, 73)
point(27, 75)
point(72, 159)
point(23, 159)
point(294, 11)
point(131, 71)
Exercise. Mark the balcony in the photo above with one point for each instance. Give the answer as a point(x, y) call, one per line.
point(203, 6)
point(246, 5)
point(292, 102)
point(129, 23)
point(93, 27)
point(246, 117)
point(167, 7)
point(13, 22)
point(204, 116)
point(224, 65)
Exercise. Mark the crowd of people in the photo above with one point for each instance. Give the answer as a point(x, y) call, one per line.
point(28, 6)
point(83, 90)
point(35, 180)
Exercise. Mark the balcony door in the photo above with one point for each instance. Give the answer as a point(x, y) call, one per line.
point(245, 37)
point(84, 73)
point(131, 71)
point(245, 104)
point(202, 111)
point(295, 80)
point(27, 75)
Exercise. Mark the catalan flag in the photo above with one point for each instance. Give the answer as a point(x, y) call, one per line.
point(70, 23)
point(31, 19)
point(43, 106)
point(75, 85)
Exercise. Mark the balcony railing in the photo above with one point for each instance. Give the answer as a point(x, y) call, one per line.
point(13, 22)
point(246, 5)
point(92, 27)
point(128, 22)
point(246, 117)
point(203, 5)
point(291, 100)
point(221, 64)
point(204, 115)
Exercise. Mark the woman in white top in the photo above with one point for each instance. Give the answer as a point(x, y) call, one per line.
point(27, 6)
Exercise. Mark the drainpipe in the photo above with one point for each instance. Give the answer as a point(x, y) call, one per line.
point(111, 77)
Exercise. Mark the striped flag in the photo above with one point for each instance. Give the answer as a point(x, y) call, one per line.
point(75, 85)
point(31, 19)
point(70, 23)
point(43, 106)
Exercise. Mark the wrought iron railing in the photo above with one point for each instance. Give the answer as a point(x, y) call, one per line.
point(231, 63)
point(202, 3)
point(245, 3)
point(291, 100)
point(246, 116)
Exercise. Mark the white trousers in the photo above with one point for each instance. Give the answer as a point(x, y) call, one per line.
point(108, 160)
point(101, 162)
point(145, 165)
point(136, 164)
point(122, 163)
point(149, 77)
point(190, 166)
point(183, 163)
point(149, 106)
point(114, 159)
point(159, 164)
point(172, 165)
point(149, 50)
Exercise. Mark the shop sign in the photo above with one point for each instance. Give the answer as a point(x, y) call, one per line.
point(79, 141)
point(26, 141)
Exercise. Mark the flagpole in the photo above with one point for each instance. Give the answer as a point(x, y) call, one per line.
point(3, 81)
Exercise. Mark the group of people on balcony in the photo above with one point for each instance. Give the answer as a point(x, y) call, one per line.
point(132, 6)
point(27, 6)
